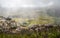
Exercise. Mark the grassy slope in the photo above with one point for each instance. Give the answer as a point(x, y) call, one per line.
point(50, 33)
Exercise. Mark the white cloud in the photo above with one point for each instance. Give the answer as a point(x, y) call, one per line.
point(13, 6)
point(23, 3)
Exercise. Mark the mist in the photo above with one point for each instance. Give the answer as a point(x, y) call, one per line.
point(26, 8)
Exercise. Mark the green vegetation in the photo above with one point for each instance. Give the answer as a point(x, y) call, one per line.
point(44, 33)
point(42, 20)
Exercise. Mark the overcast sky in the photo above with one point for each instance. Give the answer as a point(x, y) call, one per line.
point(25, 3)
point(16, 4)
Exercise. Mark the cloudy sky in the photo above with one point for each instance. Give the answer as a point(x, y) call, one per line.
point(25, 3)
point(9, 7)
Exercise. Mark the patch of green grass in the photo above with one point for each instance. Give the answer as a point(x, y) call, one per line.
point(50, 33)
